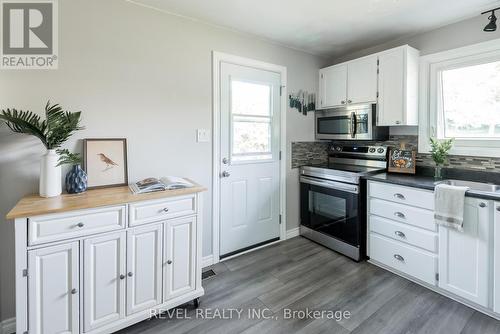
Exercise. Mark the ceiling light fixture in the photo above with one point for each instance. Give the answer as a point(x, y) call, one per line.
point(492, 25)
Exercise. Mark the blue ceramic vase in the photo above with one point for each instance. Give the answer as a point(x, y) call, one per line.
point(76, 180)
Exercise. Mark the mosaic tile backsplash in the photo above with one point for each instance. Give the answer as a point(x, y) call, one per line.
point(304, 153)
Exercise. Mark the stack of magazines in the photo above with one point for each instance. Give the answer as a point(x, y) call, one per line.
point(165, 183)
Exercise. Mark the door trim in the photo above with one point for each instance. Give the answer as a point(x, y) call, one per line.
point(217, 58)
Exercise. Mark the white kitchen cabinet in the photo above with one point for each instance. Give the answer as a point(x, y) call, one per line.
point(54, 289)
point(144, 262)
point(180, 250)
point(398, 87)
point(362, 80)
point(332, 86)
point(464, 257)
point(104, 280)
point(348, 83)
point(496, 259)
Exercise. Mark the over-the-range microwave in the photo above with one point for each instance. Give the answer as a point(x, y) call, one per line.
point(354, 122)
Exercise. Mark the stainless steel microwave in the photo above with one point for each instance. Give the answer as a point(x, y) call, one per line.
point(355, 122)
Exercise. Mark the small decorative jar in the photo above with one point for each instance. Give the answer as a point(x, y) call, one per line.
point(76, 180)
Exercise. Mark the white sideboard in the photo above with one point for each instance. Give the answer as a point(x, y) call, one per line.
point(403, 238)
point(103, 260)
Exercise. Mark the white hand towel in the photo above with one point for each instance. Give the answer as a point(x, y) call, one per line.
point(449, 206)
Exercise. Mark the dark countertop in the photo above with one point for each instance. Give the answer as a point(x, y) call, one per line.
point(423, 180)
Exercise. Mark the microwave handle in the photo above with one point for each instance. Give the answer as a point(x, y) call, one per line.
point(353, 125)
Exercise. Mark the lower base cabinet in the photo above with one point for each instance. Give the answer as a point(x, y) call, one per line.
point(53, 287)
point(464, 257)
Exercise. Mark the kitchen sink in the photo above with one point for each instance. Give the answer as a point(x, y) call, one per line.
point(476, 186)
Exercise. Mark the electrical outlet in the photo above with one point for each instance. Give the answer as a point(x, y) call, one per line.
point(202, 135)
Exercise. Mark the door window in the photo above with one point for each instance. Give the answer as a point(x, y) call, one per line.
point(251, 121)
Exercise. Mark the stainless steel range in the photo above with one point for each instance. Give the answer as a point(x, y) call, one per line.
point(332, 202)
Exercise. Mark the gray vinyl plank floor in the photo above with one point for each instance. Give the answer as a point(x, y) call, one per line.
point(258, 293)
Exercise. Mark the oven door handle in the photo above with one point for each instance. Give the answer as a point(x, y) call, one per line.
point(331, 184)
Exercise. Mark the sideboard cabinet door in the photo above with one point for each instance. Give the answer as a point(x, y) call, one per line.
point(53, 289)
point(104, 280)
point(180, 252)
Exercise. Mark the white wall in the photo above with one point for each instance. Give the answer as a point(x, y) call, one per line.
point(140, 74)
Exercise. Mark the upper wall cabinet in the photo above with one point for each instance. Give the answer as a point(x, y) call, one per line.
point(389, 78)
point(398, 87)
point(348, 83)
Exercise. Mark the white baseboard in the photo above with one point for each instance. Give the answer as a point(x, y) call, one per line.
point(207, 261)
point(294, 232)
point(8, 326)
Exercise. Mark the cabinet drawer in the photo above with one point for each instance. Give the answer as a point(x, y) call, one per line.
point(404, 195)
point(404, 233)
point(142, 213)
point(49, 228)
point(403, 213)
point(409, 260)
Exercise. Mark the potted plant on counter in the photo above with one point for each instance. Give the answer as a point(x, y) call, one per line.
point(439, 152)
point(53, 131)
point(76, 179)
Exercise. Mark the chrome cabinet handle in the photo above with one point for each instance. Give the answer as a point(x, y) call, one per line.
point(122, 276)
point(498, 208)
point(482, 205)
point(164, 209)
point(169, 262)
point(343, 102)
point(80, 224)
point(400, 215)
point(226, 174)
point(399, 257)
point(74, 291)
point(399, 196)
point(349, 101)
point(400, 234)
point(398, 122)
point(130, 274)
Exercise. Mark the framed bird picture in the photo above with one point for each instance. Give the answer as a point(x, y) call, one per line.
point(105, 161)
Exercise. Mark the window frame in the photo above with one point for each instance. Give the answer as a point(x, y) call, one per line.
point(431, 121)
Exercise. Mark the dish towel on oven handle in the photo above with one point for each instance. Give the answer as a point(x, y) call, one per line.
point(449, 206)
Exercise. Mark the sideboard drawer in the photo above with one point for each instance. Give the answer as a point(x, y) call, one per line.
point(400, 194)
point(142, 213)
point(42, 229)
point(404, 233)
point(412, 261)
point(403, 213)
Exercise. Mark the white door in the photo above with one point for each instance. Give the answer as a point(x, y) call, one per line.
point(179, 257)
point(496, 259)
point(53, 289)
point(333, 86)
point(362, 80)
point(250, 141)
point(391, 88)
point(104, 280)
point(464, 257)
point(144, 262)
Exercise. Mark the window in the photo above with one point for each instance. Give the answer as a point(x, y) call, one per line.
point(251, 121)
point(460, 98)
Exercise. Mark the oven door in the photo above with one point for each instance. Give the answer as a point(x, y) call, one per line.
point(331, 208)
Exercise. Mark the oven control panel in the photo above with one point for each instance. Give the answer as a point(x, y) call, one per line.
point(367, 151)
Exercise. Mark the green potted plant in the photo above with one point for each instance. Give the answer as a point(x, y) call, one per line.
point(53, 131)
point(76, 179)
point(439, 151)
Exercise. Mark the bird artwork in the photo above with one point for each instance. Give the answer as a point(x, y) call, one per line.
point(109, 163)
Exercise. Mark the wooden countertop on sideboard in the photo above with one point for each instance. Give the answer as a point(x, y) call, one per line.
point(34, 205)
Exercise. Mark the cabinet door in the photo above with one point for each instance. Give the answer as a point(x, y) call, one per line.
point(496, 259)
point(391, 88)
point(333, 86)
point(53, 289)
point(144, 263)
point(104, 280)
point(464, 257)
point(362, 80)
point(180, 250)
